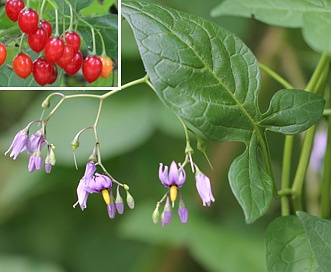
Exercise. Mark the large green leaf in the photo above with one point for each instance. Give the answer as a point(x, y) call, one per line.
point(287, 247)
point(290, 111)
point(76, 4)
point(249, 182)
point(210, 78)
point(313, 16)
point(205, 74)
point(318, 231)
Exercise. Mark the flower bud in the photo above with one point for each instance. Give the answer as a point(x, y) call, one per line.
point(46, 103)
point(129, 200)
point(156, 215)
point(119, 201)
point(75, 143)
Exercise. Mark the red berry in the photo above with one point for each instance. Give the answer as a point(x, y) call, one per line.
point(74, 65)
point(22, 65)
point(67, 55)
point(107, 66)
point(38, 39)
point(53, 75)
point(3, 53)
point(28, 20)
point(13, 8)
point(47, 27)
point(92, 67)
point(42, 71)
point(54, 49)
point(73, 39)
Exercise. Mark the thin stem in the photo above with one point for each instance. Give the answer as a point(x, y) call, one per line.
point(302, 168)
point(286, 171)
point(276, 76)
point(321, 67)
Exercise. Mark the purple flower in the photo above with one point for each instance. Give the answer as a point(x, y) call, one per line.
point(19, 143)
point(35, 162)
point(166, 218)
point(93, 183)
point(36, 142)
point(166, 214)
point(204, 188)
point(176, 175)
point(183, 214)
point(111, 208)
point(318, 151)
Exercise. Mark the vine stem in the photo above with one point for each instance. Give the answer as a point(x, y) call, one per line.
point(315, 85)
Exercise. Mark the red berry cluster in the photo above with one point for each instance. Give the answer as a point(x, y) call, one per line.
point(60, 51)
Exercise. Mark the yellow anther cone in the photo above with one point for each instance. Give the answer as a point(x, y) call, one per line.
point(173, 193)
point(106, 196)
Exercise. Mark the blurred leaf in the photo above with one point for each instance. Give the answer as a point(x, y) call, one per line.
point(76, 4)
point(293, 111)
point(12, 263)
point(287, 247)
point(313, 16)
point(281, 12)
point(212, 246)
point(318, 231)
point(249, 182)
point(98, 8)
point(108, 27)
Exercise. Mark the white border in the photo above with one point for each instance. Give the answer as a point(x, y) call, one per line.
point(119, 69)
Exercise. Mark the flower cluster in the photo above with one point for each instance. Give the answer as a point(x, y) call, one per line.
point(93, 182)
point(173, 178)
point(33, 145)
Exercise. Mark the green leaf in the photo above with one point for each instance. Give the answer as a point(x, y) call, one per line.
point(280, 13)
point(318, 231)
point(292, 111)
point(76, 4)
point(204, 73)
point(108, 27)
point(251, 185)
point(210, 78)
point(287, 247)
point(313, 16)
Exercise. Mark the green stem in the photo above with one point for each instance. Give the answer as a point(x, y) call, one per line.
point(286, 171)
point(323, 63)
point(326, 178)
point(42, 7)
point(276, 76)
point(327, 112)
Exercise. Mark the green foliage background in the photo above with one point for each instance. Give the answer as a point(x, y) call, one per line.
point(39, 229)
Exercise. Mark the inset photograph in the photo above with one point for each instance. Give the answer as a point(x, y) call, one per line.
point(65, 44)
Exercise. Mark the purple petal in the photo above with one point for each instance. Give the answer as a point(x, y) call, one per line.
point(19, 144)
point(48, 168)
point(166, 218)
point(183, 214)
point(82, 195)
point(111, 208)
point(120, 207)
point(173, 174)
point(182, 176)
point(204, 189)
point(163, 175)
point(89, 170)
point(98, 183)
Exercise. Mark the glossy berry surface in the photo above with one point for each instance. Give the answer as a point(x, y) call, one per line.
point(13, 8)
point(73, 39)
point(74, 64)
point(38, 40)
point(107, 66)
point(22, 65)
point(42, 71)
point(47, 27)
point(53, 77)
point(92, 67)
point(54, 49)
point(3, 53)
point(28, 21)
point(67, 55)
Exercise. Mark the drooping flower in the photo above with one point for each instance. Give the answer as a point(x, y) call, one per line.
point(91, 183)
point(19, 143)
point(204, 188)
